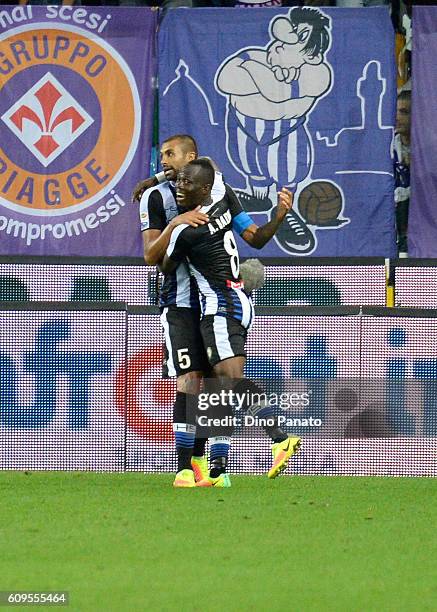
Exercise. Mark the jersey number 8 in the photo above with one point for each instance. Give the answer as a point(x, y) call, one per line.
point(231, 248)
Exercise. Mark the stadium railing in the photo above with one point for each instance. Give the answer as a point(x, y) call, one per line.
point(312, 281)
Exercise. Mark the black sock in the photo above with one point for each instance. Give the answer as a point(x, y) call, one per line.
point(275, 433)
point(184, 458)
point(184, 432)
point(247, 387)
point(199, 447)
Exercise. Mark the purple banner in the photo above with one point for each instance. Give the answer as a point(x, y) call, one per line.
point(76, 106)
point(422, 227)
point(275, 110)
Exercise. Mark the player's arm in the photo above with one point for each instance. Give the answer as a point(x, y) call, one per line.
point(156, 242)
point(141, 187)
point(243, 224)
point(155, 230)
point(152, 222)
point(153, 181)
point(177, 249)
point(258, 236)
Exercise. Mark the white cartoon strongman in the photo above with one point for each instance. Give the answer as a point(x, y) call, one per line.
point(270, 92)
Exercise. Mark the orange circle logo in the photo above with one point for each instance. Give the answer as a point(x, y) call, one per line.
point(69, 119)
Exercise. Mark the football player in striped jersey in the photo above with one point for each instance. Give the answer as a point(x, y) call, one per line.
point(212, 257)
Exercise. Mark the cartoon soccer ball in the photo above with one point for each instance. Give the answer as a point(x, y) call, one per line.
point(320, 203)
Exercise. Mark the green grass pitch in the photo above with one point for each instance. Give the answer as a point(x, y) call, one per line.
point(132, 542)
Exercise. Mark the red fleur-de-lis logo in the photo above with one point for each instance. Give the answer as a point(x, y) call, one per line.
point(47, 119)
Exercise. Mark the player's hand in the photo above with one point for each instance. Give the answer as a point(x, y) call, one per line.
point(141, 187)
point(191, 217)
point(285, 202)
point(170, 174)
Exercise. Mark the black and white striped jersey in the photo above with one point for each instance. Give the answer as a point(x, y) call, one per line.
point(157, 208)
point(213, 260)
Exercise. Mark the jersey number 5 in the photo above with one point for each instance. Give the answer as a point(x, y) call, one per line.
point(231, 248)
point(183, 358)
